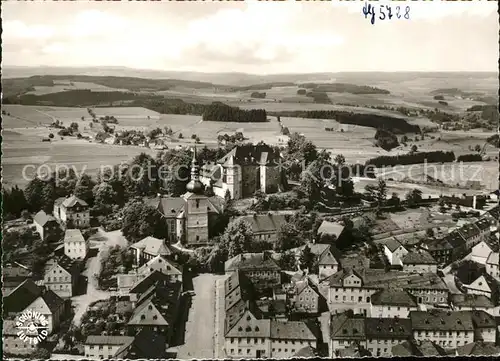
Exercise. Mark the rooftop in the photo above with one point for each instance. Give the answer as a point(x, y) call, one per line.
point(108, 340)
point(346, 326)
point(478, 349)
point(419, 256)
point(471, 300)
point(153, 246)
point(73, 201)
point(251, 261)
point(265, 223)
point(330, 228)
point(393, 297)
point(388, 328)
point(392, 244)
point(42, 218)
point(440, 320)
point(293, 330)
point(417, 348)
point(73, 235)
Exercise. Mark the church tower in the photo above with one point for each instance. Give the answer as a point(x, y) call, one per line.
point(196, 208)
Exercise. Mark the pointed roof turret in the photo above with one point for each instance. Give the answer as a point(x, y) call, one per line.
point(195, 185)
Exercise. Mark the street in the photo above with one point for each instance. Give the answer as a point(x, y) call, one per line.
point(201, 320)
point(100, 241)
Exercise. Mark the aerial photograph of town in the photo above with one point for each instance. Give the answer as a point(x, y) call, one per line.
point(250, 180)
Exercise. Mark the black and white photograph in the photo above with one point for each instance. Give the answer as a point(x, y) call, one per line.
point(250, 179)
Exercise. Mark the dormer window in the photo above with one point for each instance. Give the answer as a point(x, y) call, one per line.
point(249, 318)
point(240, 328)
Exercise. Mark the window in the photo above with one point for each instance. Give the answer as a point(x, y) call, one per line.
point(110, 348)
point(143, 317)
point(232, 339)
point(101, 347)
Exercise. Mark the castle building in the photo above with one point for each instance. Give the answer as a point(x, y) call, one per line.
point(245, 170)
point(189, 217)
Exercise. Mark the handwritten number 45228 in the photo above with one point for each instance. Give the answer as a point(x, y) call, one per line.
point(385, 12)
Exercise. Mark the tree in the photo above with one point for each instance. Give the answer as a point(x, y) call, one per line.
point(340, 159)
point(287, 261)
point(414, 148)
point(237, 238)
point(83, 188)
point(74, 126)
point(413, 197)
point(378, 192)
point(104, 197)
point(25, 215)
point(142, 176)
point(288, 237)
point(140, 221)
point(40, 194)
point(429, 232)
point(13, 202)
point(180, 136)
point(442, 206)
point(477, 148)
point(306, 259)
point(40, 354)
point(177, 163)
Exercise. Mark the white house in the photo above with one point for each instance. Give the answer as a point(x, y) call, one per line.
point(394, 251)
point(390, 303)
point(481, 286)
point(163, 265)
point(72, 211)
point(481, 252)
point(75, 245)
point(51, 306)
point(492, 265)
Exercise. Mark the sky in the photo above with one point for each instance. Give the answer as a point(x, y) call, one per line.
point(252, 37)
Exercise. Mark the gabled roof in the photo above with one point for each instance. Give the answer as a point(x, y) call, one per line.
point(265, 223)
point(43, 218)
point(246, 324)
point(22, 296)
point(108, 340)
point(147, 344)
point(417, 348)
point(388, 328)
point(73, 201)
point(59, 201)
point(217, 204)
point(455, 239)
point(166, 266)
point(483, 224)
point(251, 154)
point(469, 230)
point(63, 261)
point(251, 261)
point(392, 244)
point(306, 351)
point(482, 319)
point(153, 246)
point(345, 326)
point(171, 206)
point(392, 297)
point(293, 330)
point(495, 212)
point(331, 228)
point(419, 256)
point(143, 284)
point(73, 235)
point(493, 258)
point(440, 320)
point(479, 349)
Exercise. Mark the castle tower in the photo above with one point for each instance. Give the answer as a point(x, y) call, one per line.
point(196, 208)
point(231, 179)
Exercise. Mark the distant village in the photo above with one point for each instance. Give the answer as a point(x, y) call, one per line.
point(293, 276)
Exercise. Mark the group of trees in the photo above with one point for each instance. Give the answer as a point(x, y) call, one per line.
point(319, 97)
point(221, 112)
point(469, 158)
point(392, 124)
point(385, 139)
point(115, 260)
point(412, 158)
point(259, 95)
point(344, 88)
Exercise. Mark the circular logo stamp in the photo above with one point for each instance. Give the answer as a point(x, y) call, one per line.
point(32, 327)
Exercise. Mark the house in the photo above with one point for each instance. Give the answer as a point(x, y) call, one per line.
point(417, 348)
point(330, 229)
point(245, 170)
point(354, 288)
point(265, 227)
point(157, 310)
point(392, 303)
point(472, 234)
point(492, 265)
point(11, 343)
point(382, 334)
point(484, 226)
point(469, 302)
point(485, 326)
point(75, 245)
point(346, 330)
point(147, 344)
point(307, 298)
point(143, 283)
point(326, 257)
point(447, 249)
point(448, 329)
point(260, 268)
point(150, 247)
point(61, 276)
point(481, 252)
point(46, 226)
point(51, 306)
point(13, 276)
point(105, 347)
point(162, 265)
point(72, 211)
point(419, 261)
point(20, 298)
point(394, 251)
point(288, 337)
point(484, 285)
point(189, 218)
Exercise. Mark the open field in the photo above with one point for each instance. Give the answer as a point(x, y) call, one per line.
point(61, 86)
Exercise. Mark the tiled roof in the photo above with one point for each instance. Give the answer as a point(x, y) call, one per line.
point(153, 246)
point(307, 351)
point(344, 326)
point(73, 235)
point(418, 257)
point(482, 319)
point(331, 228)
point(171, 206)
point(483, 224)
point(293, 330)
point(455, 239)
point(22, 296)
point(392, 244)
point(59, 201)
point(441, 244)
point(495, 212)
point(64, 261)
point(471, 300)
point(388, 328)
point(42, 218)
point(327, 258)
point(265, 223)
point(439, 320)
point(417, 348)
point(469, 230)
point(479, 349)
point(15, 272)
point(147, 344)
point(108, 340)
point(493, 258)
point(168, 267)
point(251, 261)
point(144, 283)
point(72, 201)
point(237, 288)
point(393, 297)
point(251, 154)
